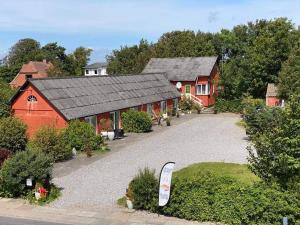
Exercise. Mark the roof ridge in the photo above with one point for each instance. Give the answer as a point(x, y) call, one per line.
point(90, 77)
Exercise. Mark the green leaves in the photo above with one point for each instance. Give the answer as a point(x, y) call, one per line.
point(275, 135)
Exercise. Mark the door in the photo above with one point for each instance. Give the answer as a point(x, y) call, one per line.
point(92, 120)
point(188, 90)
point(115, 119)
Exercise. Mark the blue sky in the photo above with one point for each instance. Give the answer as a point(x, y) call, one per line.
point(104, 25)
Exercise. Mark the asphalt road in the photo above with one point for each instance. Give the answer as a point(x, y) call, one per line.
point(16, 221)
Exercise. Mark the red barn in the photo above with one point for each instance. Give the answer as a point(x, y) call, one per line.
point(31, 70)
point(272, 96)
point(55, 101)
point(197, 77)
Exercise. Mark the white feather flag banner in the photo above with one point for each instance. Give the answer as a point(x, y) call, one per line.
point(165, 183)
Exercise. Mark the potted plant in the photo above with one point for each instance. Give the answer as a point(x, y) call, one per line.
point(103, 123)
point(198, 108)
point(129, 199)
point(110, 132)
point(40, 191)
point(168, 121)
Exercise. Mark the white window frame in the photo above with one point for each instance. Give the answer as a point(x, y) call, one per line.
point(87, 72)
point(199, 89)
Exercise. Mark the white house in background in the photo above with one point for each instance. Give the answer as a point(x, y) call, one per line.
point(95, 69)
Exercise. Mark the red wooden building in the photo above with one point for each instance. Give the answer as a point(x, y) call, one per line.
point(195, 77)
point(32, 69)
point(55, 101)
point(272, 96)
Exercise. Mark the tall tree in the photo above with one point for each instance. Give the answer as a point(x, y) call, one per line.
point(79, 59)
point(130, 60)
point(289, 77)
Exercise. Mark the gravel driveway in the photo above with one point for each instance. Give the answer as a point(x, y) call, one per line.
point(201, 139)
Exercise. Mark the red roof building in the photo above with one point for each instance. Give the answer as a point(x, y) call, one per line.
point(33, 69)
point(272, 96)
point(196, 77)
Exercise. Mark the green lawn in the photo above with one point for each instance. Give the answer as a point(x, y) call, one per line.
point(238, 171)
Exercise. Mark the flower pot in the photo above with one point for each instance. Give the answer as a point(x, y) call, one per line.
point(129, 204)
point(37, 195)
point(111, 135)
point(104, 133)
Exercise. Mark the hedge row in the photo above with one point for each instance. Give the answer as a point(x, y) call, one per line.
point(213, 197)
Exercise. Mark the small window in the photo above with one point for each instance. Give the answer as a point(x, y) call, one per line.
point(31, 98)
point(28, 76)
point(96, 71)
point(87, 71)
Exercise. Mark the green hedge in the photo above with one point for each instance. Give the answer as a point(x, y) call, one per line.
point(51, 141)
point(80, 134)
point(143, 190)
point(223, 105)
point(226, 193)
point(21, 166)
point(12, 134)
point(136, 121)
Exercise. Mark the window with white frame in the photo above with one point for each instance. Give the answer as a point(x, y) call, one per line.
point(203, 89)
point(87, 71)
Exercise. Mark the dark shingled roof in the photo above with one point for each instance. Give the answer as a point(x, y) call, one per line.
point(271, 90)
point(182, 69)
point(96, 65)
point(84, 96)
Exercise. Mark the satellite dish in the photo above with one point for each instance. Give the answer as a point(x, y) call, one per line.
point(178, 85)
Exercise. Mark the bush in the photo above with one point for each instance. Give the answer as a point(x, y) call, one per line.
point(143, 190)
point(4, 155)
point(225, 193)
point(274, 153)
point(12, 134)
point(223, 105)
point(79, 134)
point(136, 122)
point(186, 104)
point(24, 165)
point(51, 141)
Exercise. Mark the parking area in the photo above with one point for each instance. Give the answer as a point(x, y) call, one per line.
point(101, 180)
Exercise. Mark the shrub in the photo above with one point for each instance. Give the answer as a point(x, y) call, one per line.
point(51, 141)
point(223, 105)
point(137, 122)
point(144, 190)
point(274, 153)
point(4, 155)
point(186, 104)
point(12, 134)
point(21, 166)
point(227, 197)
point(79, 134)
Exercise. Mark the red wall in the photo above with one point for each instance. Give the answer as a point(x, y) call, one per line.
point(41, 113)
point(214, 79)
point(272, 101)
point(36, 114)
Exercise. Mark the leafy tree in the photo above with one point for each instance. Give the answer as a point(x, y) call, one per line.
point(289, 78)
point(130, 60)
point(5, 94)
point(275, 154)
point(79, 59)
point(12, 134)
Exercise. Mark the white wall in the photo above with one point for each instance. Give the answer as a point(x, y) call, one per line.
point(91, 72)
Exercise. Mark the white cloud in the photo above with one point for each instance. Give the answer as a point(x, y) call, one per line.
point(138, 16)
